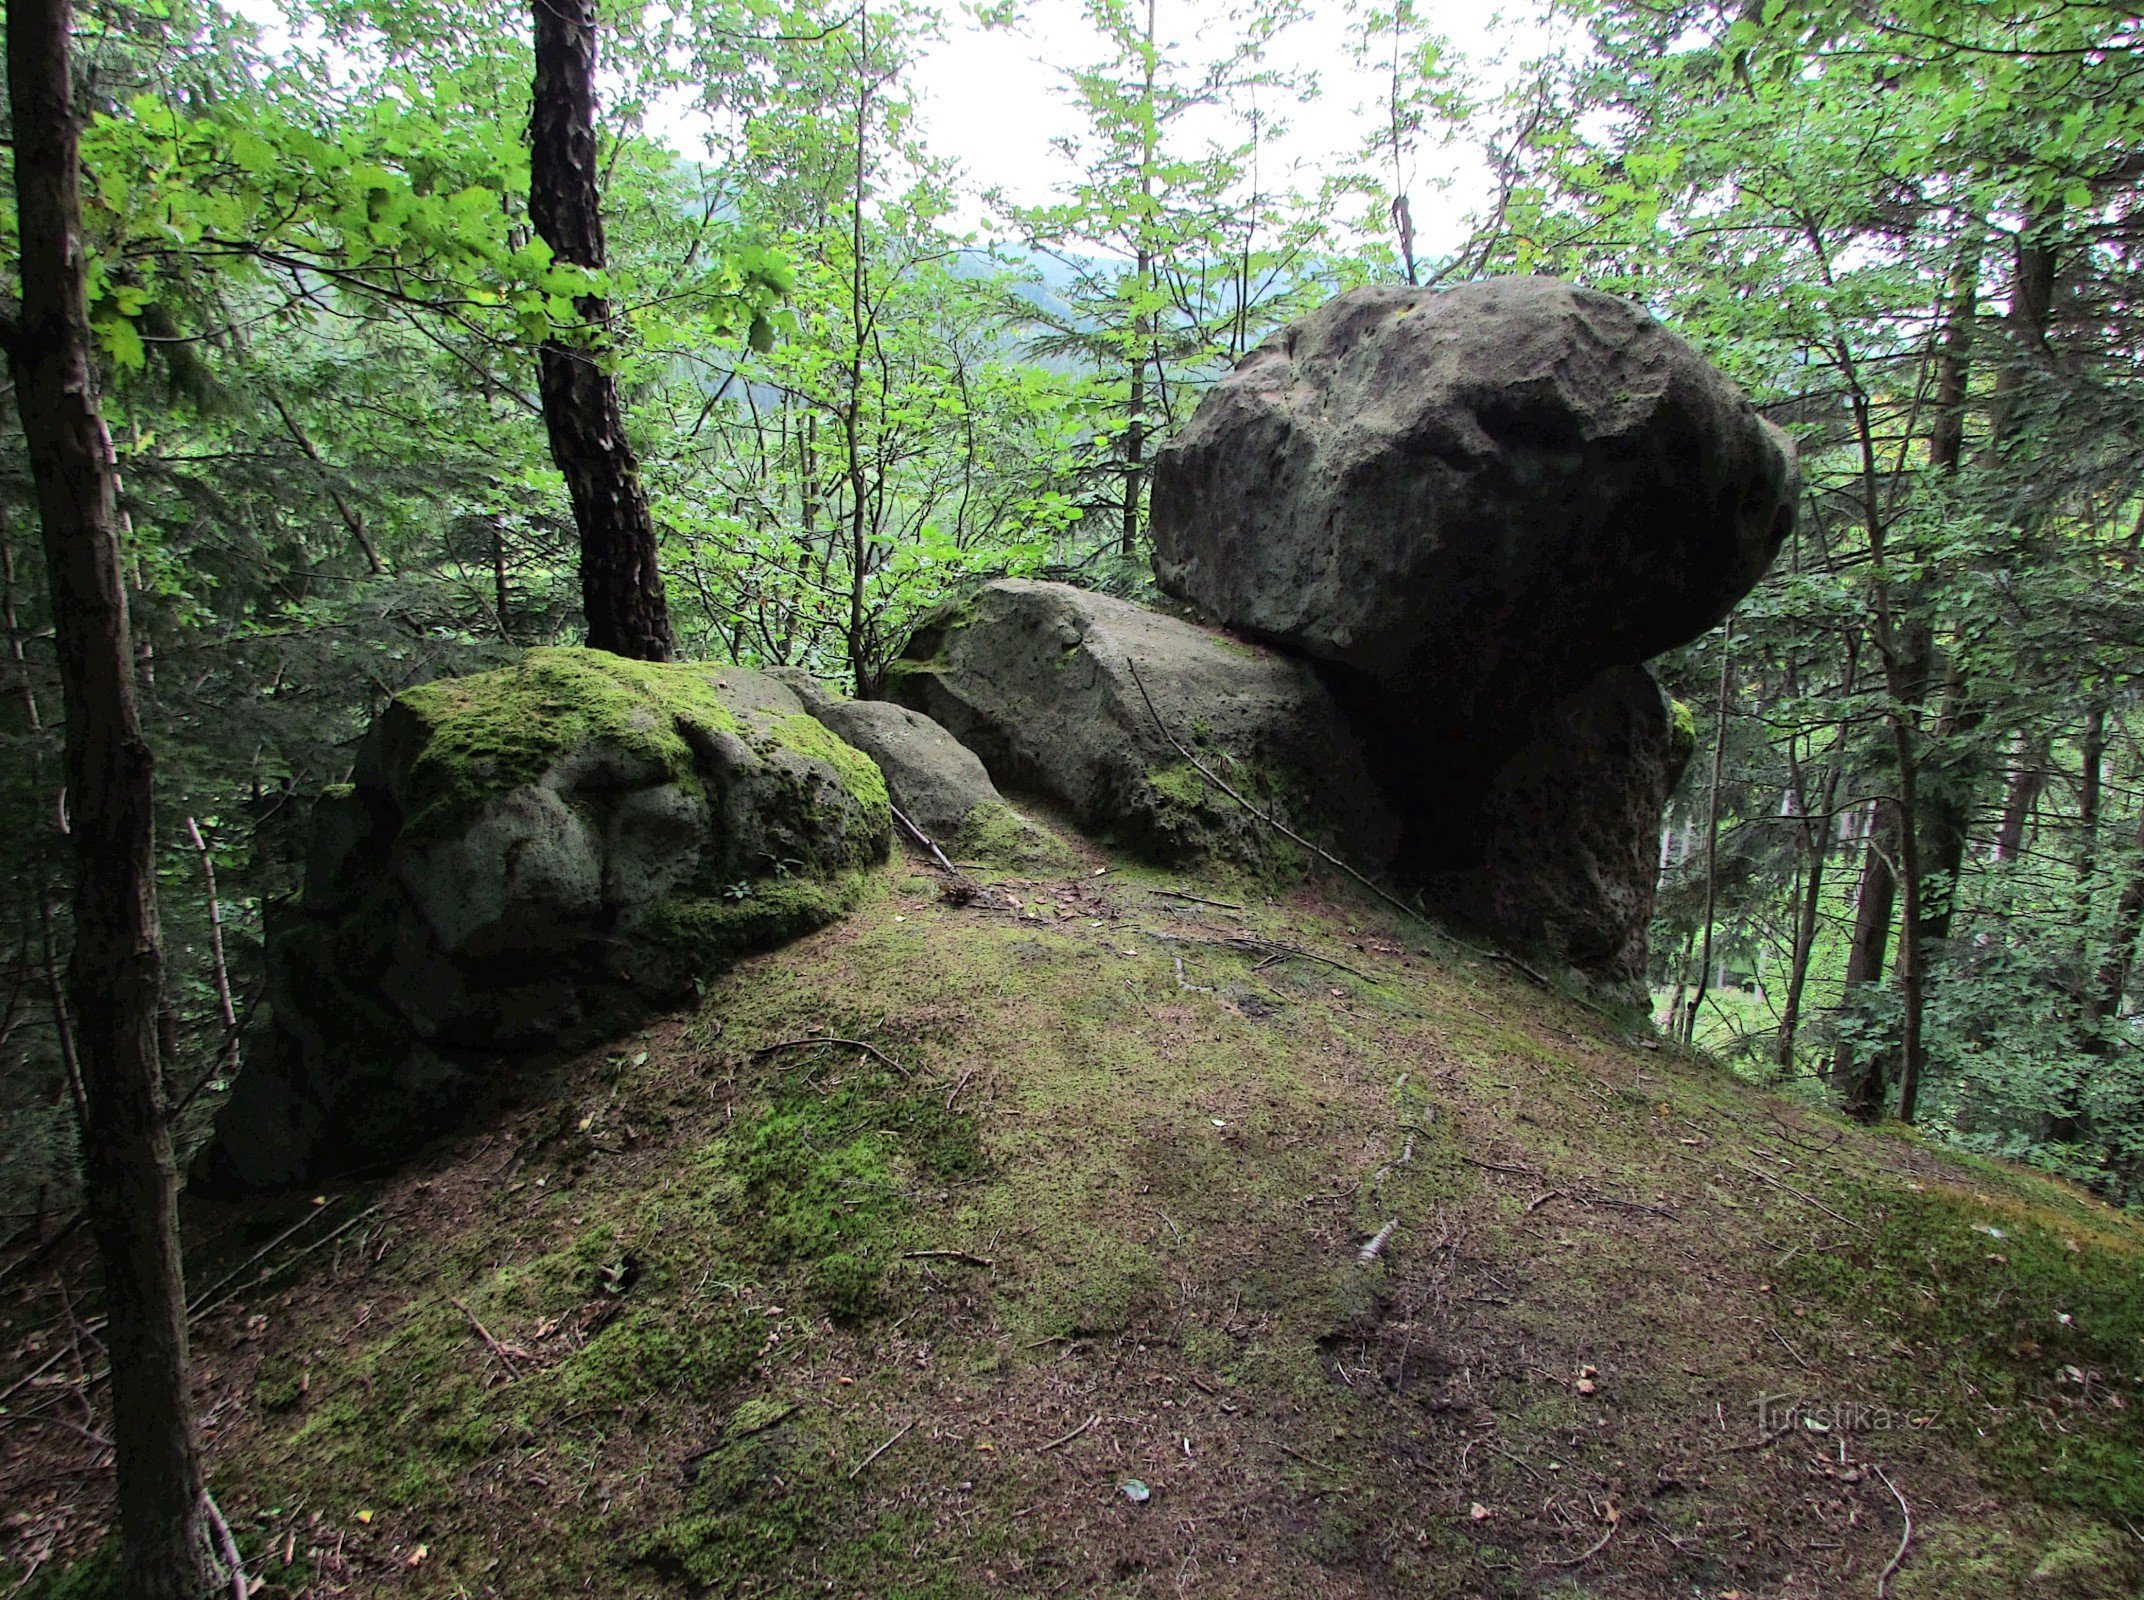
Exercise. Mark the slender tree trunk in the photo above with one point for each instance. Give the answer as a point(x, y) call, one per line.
point(1135, 421)
point(1816, 851)
point(116, 974)
point(1947, 792)
point(1712, 830)
point(1135, 429)
point(2103, 1000)
point(1860, 1078)
point(852, 413)
point(2091, 780)
point(2020, 796)
point(621, 580)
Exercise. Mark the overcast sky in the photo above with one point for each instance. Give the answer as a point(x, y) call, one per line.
point(994, 98)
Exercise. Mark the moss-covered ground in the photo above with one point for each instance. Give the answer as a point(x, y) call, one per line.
point(893, 1266)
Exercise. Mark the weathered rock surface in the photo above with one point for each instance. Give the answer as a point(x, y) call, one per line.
point(935, 781)
point(1569, 831)
point(1479, 497)
point(1476, 509)
point(528, 856)
point(1068, 694)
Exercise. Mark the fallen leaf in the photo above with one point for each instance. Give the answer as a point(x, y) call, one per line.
point(1480, 1512)
point(364, 1516)
point(1133, 1490)
point(416, 1556)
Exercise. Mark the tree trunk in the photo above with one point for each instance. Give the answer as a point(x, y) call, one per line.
point(2103, 1001)
point(1135, 422)
point(115, 976)
point(621, 581)
point(1816, 851)
point(1861, 1078)
point(2091, 779)
point(2020, 796)
point(1712, 831)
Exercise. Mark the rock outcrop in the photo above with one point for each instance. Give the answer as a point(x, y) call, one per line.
point(933, 780)
point(525, 858)
point(1569, 831)
point(1083, 699)
point(1478, 510)
point(1478, 497)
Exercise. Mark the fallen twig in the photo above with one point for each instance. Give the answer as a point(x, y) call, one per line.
point(1199, 899)
point(948, 1255)
point(1883, 1579)
point(906, 1428)
point(954, 1093)
point(227, 1544)
point(1595, 1549)
point(506, 1359)
point(926, 841)
point(225, 1291)
point(1277, 826)
point(1308, 1461)
point(1790, 1350)
point(871, 1050)
point(1805, 1199)
point(1067, 1438)
point(1376, 1247)
point(1185, 983)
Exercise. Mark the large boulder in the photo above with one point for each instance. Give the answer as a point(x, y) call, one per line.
point(1478, 498)
point(1085, 700)
point(527, 857)
point(1568, 851)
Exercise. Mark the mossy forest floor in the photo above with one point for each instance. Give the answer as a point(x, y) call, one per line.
point(1060, 1287)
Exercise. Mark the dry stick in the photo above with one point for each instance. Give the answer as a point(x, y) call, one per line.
point(201, 1309)
point(1811, 1200)
point(1199, 899)
point(1270, 949)
point(312, 1215)
point(1278, 827)
point(228, 1543)
point(854, 1044)
point(1598, 1546)
point(1790, 1350)
point(1335, 862)
point(926, 841)
point(1067, 1438)
point(954, 1093)
point(1904, 1539)
point(1308, 1461)
point(881, 1450)
point(1376, 1247)
point(512, 1372)
point(968, 1256)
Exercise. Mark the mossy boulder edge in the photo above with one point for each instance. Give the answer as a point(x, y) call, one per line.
point(525, 859)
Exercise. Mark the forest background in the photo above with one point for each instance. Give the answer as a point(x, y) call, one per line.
point(1906, 869)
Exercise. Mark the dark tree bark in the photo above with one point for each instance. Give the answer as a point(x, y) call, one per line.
point(621, 581)
point(2021, 795)
point(1861, 1078)
point(116, 974)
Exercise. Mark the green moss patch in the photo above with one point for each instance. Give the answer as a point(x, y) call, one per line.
point(2004, 1327)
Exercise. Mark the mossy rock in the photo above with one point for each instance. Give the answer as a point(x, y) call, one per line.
point(1092, 703)
point(527, 858)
